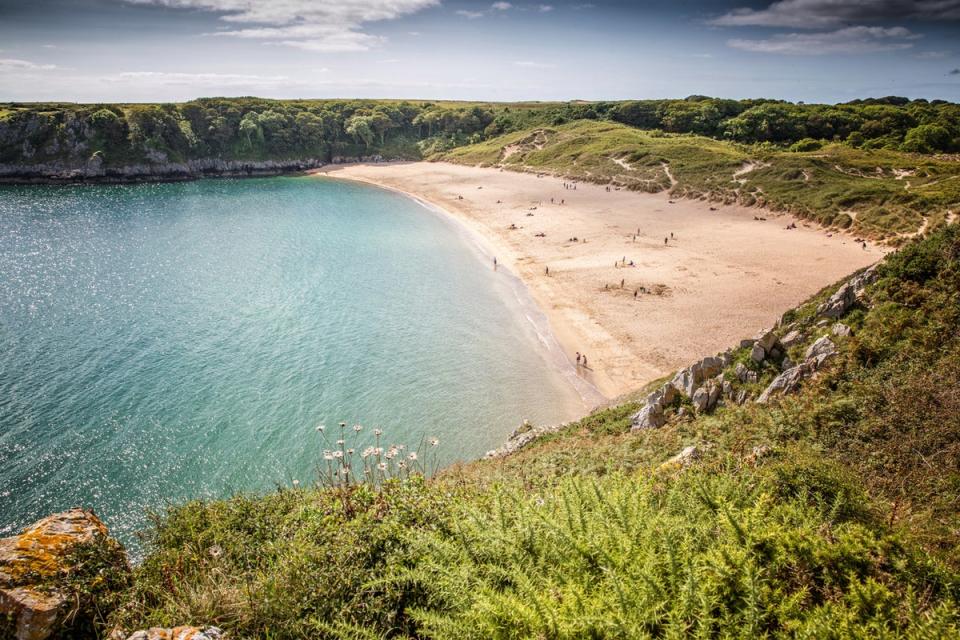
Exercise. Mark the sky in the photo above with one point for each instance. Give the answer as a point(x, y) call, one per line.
point(175, 50)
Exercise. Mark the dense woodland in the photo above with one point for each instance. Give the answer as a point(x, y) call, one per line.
point(253, 128)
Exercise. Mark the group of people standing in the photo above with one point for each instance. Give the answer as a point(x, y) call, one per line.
point(582, 360)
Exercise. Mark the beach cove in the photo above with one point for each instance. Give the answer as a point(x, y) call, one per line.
point(702, 272)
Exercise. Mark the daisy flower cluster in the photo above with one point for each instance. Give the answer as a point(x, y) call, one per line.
point(346, 462)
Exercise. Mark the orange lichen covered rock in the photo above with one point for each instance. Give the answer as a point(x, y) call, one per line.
point(178, 633)
point(30, 561)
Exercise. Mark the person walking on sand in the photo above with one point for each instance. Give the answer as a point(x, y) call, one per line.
point(578, 358)
point(665, 240)
point(546, 271)
point(584, 361)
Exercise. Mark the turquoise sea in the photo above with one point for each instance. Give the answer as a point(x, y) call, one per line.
point(160, 342)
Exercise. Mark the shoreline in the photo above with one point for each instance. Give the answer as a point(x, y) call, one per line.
point(630, 339)
point(589, 395)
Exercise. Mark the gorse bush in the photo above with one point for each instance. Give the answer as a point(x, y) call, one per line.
point(702, 555)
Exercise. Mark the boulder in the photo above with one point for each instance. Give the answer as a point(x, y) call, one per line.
point(714, 389)
point(649, 417)
point(663, 396)
point(757, 353)
point(700, 400)
point(741, 371)
point(682, 460)
point(687, 380)
point(786, 382)
point(766, 339)
point(727, 357)
point(30, 564)
point(792, 338)
point(176, 633)
point(840, 330)
point(846, 296)
point(711, 366)
point(822, 347)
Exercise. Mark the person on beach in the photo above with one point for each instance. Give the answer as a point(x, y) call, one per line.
point(584, 361)
point(665, 240)
point(546, 271)
point(494, 263)
point(578, 358)
point(622, 280)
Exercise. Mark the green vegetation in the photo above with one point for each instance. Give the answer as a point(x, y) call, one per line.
point(831, 514)
point(880, 194)
point(254, 128)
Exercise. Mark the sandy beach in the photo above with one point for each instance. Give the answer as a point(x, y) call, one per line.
point(697, 276)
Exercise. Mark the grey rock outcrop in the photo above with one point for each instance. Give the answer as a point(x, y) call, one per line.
point(789, 381)
point(684, 459)
point(846, 296)
point(651, 416)
point(791, 338)
point(158, 168)
point(521, 437)
point(820, 350)
point(840, 330)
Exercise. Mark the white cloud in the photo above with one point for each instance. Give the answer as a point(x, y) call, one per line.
point(545, 8)
point(931, 55)
point(818, 14)
point(501, 6)
point(13, 64)
point(851, 40)
point(469, 15)
point(530, 64)
point(312, 25)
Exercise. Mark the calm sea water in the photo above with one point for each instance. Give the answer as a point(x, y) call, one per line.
point(167, 341)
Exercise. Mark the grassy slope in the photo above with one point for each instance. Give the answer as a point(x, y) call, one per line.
point(836, 185)
point(847, 528)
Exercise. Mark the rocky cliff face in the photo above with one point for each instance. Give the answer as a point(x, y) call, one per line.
point(94, 170)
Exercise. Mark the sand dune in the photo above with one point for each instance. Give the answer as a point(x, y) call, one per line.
point(720, 277)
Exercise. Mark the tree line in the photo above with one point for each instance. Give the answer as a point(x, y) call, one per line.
point(253, 128)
